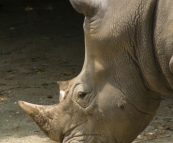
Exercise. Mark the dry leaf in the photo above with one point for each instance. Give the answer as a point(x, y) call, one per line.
point(163, 128)
point(150, 135)
point(29, 8)
point(2, 99)
point(67, 73)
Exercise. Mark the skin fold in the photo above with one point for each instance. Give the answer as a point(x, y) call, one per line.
point(128, 65)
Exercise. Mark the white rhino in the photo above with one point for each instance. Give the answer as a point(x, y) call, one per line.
point(128, 65)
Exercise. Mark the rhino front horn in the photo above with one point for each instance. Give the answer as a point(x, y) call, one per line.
point(43, 116)
point(29, 108)
point(37, 112)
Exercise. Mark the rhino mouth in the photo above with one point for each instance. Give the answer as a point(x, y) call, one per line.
point(76, 135)
point(86, 138)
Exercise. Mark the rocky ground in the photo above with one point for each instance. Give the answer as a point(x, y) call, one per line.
point(41, 42)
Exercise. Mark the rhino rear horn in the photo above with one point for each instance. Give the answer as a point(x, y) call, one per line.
point(88, 7)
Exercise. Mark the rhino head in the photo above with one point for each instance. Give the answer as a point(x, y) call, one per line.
point(117, 92)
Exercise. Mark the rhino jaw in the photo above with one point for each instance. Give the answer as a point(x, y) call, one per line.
point(43, 116)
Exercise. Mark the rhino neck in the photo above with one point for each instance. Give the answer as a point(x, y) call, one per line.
point(163, 35)
point(147, 53)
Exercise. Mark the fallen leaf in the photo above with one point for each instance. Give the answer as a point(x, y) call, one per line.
point(150, 135)
point(67, 73)
point(29, 8)
point(163, 128)
point(39, 72)
point(2, 99)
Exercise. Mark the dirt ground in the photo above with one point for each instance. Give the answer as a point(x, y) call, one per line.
point(41, 42)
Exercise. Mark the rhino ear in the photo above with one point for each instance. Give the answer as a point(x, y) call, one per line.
point(88, 7)
point(64, 87)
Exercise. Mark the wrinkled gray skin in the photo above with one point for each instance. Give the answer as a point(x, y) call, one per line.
point(128, 65)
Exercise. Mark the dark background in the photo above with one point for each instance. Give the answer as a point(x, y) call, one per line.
point(49, 29)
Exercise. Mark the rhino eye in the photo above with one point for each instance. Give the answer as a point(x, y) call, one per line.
point(82, 94)
point(83, 99)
